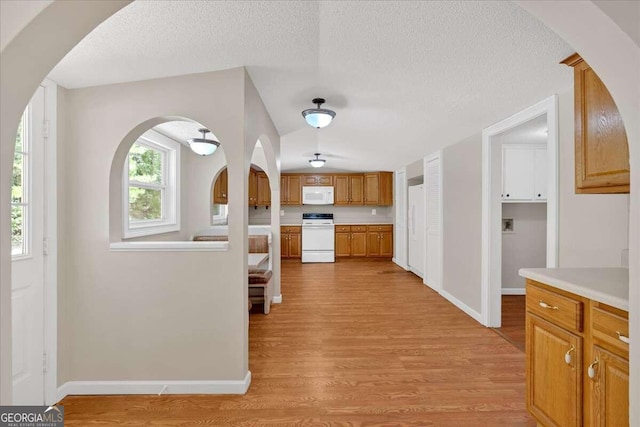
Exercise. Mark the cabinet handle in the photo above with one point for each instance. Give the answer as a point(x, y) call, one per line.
point(507, 195)
point(539, 195)
point(567, 355)
point(591, 371)
point(622, 337)
point(547, 306)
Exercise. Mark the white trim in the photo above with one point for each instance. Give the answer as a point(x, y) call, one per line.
point(154, 387)
point(50, 232)
point(171, 187)
point(168, 246)
point(436, 156)
point(513, 291)
point(462, 306)
point(277, 299)
point(420, 275)
point(401, 233)
point(491, 274)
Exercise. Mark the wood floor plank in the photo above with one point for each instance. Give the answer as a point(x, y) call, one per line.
point(354, 344)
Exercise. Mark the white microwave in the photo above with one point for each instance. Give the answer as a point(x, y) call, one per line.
point(317, 195)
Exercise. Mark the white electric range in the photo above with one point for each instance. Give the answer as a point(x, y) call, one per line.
point(318, 237)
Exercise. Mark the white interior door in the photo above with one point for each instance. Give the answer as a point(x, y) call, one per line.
point(27, 269)
point(400, 236)
point(433, 277)
point(416, 229)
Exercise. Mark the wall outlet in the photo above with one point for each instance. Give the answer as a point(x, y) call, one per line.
point(282, 212)
point(373, 211)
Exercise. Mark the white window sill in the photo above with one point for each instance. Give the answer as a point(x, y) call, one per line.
point(169, 246)
point(150, 230)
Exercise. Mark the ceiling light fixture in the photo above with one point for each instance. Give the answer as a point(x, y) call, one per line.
point(203, 146)
point(317, 162)
point(318, 117)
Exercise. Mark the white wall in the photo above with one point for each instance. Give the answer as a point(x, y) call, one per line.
point(160, 315)
point(593, 228)
point(341, 214)
point(527, 245)
point(462, 220)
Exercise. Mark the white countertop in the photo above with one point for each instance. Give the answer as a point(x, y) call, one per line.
point(606, 285)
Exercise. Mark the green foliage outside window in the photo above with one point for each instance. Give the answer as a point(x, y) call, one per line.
point(145, 166)
point(17, 212)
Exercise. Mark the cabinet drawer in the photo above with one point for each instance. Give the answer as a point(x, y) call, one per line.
point(343, 228)
point(558, 309)
point(380, 228)
point(291, 229)
point(610, 329)
point(359, 228)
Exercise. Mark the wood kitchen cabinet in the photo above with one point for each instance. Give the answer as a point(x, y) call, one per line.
point(291, 242)
point(348, 190)
point(317, 180)
point(601, 147)
point(378, 188)
point(264, 190)
point(351, 241)
point(253, 187)
point(220, 189)
point(380, 241)
point(290, 189)
point(577, 357)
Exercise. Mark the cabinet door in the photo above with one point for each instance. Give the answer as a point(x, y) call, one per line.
point(373, 244)
point(610, 390)
point(385, 189)
point(343, 244)
point(310, 180)
point(220, 189)
point(540, 174)
point(264, 190)
point(356, 189)
point(554, 383)
point(371, 188)
point(359, 244)
point(295, 245)
point(341, 190)
point(294, 190)
point(283, 189)
point(284, 245)
point(517, 173)
point(253, 187)
point(602, 150)
point(386, 244)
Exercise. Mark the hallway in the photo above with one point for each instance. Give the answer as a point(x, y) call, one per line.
point(354, 343)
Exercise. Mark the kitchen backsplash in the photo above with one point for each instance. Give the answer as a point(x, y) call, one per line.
point(341, 214)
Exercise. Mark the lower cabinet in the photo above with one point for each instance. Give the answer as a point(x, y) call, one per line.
point(380, 241)
point(577, 359)
point(291, 242)
point(351, 241)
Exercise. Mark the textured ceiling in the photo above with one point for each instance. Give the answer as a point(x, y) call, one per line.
point(405, 78)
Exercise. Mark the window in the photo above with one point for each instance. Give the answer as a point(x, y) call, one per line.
point(151, 186)
point(20, 206)
point(219, 214)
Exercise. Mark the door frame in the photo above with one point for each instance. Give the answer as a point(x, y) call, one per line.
point(491, 261)
point(437, 157)
point(401, 241)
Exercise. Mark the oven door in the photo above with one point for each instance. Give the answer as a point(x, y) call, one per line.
point(317, 237)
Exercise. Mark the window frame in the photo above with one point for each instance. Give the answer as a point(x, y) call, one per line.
point(222, 218)
point(25, 204)
point(169, 187)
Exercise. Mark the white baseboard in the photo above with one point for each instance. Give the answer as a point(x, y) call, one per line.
point(462, 306)
point(277, 299)
point(154, 387)
point(513, 291)
point(416, 272)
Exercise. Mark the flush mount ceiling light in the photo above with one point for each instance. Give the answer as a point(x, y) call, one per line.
point(318, 117)
point(203, 146)
point(317, 162)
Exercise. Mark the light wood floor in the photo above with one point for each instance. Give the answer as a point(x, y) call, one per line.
point(353, 344)
point(513, 320)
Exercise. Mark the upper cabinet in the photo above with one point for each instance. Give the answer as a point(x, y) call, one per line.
point(290, 189)
point(378, 188)
point(220, 189)
point(349, 190)
point(602, 151)
point(253, 187)
point(524, 173)
point(317, 180)
point(259, 189)
point(264, 189)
